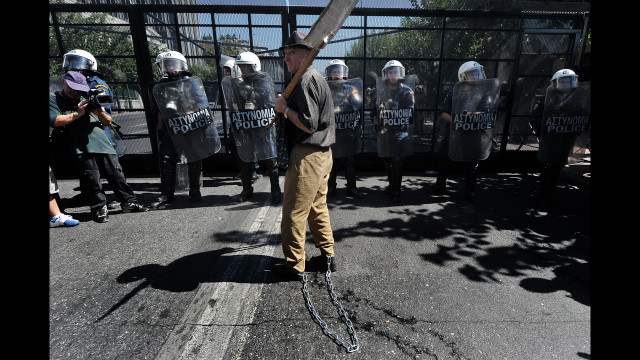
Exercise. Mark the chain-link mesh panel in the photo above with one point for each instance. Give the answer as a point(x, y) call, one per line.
point(429, 46)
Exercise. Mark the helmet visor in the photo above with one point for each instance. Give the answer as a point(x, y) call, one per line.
point(172, 65)
point(474, 74)
point(245, 69)
point(335, 72)
point(393, 72)
point(76, 62)
point(566, 82)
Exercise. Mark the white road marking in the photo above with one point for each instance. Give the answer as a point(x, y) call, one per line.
point(220, 310)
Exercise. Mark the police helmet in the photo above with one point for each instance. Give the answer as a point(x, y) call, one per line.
point(231, 65)
point(171, 61)
point(76, 60)
point(393, 64)
point(248, 58)
point(565, 73)
point(471, 67)
point(337, 64)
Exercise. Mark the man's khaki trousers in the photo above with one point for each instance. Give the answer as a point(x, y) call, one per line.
point(305, 199)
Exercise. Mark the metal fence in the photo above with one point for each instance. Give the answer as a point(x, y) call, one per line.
point(520, 43)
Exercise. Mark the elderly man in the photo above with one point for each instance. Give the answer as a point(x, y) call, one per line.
point(310, 131)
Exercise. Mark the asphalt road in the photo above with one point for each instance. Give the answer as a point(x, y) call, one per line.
point(430, 277)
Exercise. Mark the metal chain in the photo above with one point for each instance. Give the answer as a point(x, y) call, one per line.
point(343, 314)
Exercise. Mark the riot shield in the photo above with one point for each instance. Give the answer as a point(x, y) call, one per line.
point(474, 106)
point(394, 109)
point(565, 118)
point(347, 102)
point(185, 110)
point(251, 103)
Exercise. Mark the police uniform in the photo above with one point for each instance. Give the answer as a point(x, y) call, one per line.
point(168, 161)
point(549, 172)
point(403, 99)
point(247, 168)
point(353, 103)
point(445, 163)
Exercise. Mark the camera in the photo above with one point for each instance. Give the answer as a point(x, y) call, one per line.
point(97, 98)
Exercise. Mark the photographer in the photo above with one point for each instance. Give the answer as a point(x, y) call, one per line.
point(92, 149)
point(82, 61)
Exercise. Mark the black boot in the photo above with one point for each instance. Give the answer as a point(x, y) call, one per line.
point(440, 187)
point(332, 179)
point(195, 168)
point(350, 174)
point(470, 180)
point(443, 173)
point(247, 187)
point(548, 179)
point(274, 178)
point(388, 167)
point(441, 182)
point(245, 194)
point(167, 184)
point(396, 180)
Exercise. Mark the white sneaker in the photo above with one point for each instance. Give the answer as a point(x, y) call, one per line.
point(63, 220)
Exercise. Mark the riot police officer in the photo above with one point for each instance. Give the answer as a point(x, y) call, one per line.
point(172, 65)
point(347, 101)
point(229, 68)
point(562, 98)
point(251, 98)
point(230, 72)
point(394, 121)
point(469, 71)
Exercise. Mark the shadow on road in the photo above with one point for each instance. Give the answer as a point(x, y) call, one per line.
point(188, 272)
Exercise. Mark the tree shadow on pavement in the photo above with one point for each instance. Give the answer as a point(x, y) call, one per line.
point(477, 235)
